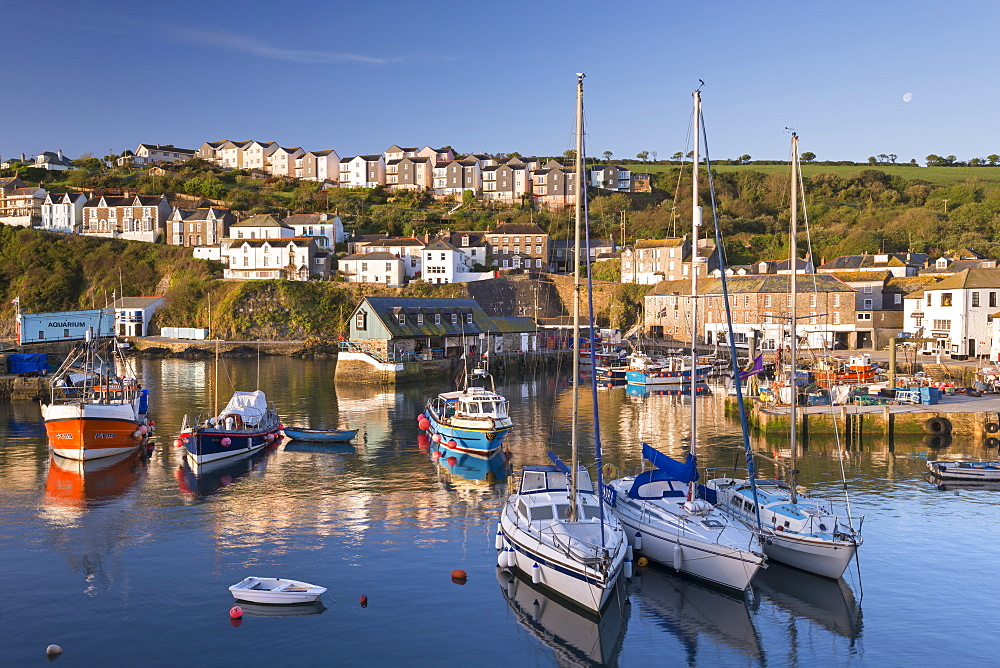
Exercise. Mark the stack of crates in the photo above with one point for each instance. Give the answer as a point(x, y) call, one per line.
point(929, 396)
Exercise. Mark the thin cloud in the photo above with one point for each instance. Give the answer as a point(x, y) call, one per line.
point(226, 40)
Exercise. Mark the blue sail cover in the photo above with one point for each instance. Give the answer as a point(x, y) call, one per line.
point(559, 463)
point(686, 471)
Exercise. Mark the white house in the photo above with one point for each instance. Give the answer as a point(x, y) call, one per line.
point(407, 249)
point(257, 153)
point(261, 226)
point(148, 154)
point(362, 171)
point(281, 162)
point(318, 166)
point(326, 228)
point(380, 267)
point(132, 314)
point(954, 312)
point(63, 212)
point(296, 259)
point(53, 161)
point(445, 263)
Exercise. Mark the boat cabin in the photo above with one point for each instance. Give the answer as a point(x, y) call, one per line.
point(548, 478)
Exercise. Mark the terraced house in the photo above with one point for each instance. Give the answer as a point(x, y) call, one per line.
point(133, 217)
point(759, 305)
point(519, 245)
point(20, 204)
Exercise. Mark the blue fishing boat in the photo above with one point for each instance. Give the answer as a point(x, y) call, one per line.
point(667, 373)
point(471, 421)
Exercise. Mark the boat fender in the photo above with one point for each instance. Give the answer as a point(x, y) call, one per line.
point(628, 552)
point(992, 427)
point(637, 543)
point(609, 471)
point(364, 600)
point(502, 558)
point(536, 575)
point(498, 541)
point(628, 568)
point(678, 557)
point(938, 426)
point(226, 442)
point(137, 434)
point(511, 558)
point(992, 442)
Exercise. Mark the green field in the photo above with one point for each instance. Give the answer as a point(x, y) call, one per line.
point(938, 176)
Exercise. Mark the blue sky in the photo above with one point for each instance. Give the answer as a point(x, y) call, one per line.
point(487, 77)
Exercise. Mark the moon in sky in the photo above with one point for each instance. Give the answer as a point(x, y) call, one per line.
point(907, 97)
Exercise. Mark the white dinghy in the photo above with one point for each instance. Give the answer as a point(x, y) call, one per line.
point(275, 590)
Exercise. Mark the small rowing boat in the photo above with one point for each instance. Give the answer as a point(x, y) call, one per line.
point(275, 590)
point(987, 471)
point(320, 435)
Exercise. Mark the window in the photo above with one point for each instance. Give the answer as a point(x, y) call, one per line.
point(945, 299)
point(897, 298)
point(869, 289)
point(928, 299)
point(812, 317)
point(420, 319)
point(868, 303)
point(437, 318)
point(746, 300)
point(468, 318)
point(812, 300)
point(454, 318)
point(993, 299)
point(767, 317)
point(975, 299)
point(767, 304)
point(942, 324)
point(836, 299)
point(401, 318)
point(359, 321)
point(788, 301)
point(836, 317)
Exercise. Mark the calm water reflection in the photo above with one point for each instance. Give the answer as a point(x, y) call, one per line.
point(128, 560)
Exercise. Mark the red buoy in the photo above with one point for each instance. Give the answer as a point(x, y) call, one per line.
point(235, 612)
point(364, 600)
point(452, 461)
point(424, 424)
point(421, 417)
point(459, 574)
point(452, 443)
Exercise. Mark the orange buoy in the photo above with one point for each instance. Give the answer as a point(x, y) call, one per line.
point(364, 600)
point(235, 612)
point(459, 574)
point(643, 561)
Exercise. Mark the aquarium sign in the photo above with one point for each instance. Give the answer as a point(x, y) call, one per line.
point(65, 325)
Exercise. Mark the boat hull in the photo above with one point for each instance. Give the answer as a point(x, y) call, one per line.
point(982, 471)
point(665, 379)
point(824, 558)
point(588, 588)
point(275, 591)
point(206, 446)
point(475, 442)
point(320, 436)
point(91, 431)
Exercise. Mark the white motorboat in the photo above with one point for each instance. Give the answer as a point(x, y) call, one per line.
point(659, 508)
point(555, 529)
point(968, 470)
point(275, 590)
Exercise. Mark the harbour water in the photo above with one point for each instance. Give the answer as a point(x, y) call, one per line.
point(129, 563)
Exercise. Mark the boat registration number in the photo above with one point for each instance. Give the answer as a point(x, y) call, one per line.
point(104, 435)
point(65, 436)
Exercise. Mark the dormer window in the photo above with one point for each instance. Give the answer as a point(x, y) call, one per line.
point(401, 318)
point(437, 318)
point(942, 263)
point(465, 240)
point(454, 318)
point(468, 318)
point(420, 319)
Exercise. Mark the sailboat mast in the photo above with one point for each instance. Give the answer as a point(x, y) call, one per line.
point(577, 287)
point(793, 344)
point(695, 224)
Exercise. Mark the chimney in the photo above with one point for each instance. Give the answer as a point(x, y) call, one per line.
point(427, 237)
point(59, 153)
point(22, 157)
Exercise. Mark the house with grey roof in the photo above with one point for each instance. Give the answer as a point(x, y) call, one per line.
point(133, 217)
point(63, 212)
point(55, 162)
point(379, 267)
point(362, 171)
point(561, 253)
point(261, 226)
point(554, 187)
point(202, 226)
point(326, 228)
point(409, 173)
point(402, 329)
point(291, 258)
point(452, 179)
point(408, 249)
point(149, 154)
point(758, 305)
point(611, 177)
point(519, 245)
point(281, 161)
point(955, 312)
point(319, 166)
point(900, 264)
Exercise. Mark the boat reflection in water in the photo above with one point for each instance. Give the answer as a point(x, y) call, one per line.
point(321, 448)
point(293, 610)
point(207, 479)
point(829, 604)
point(461, 466)
point(698, 615)
point(577, 638)
point(81, 484)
